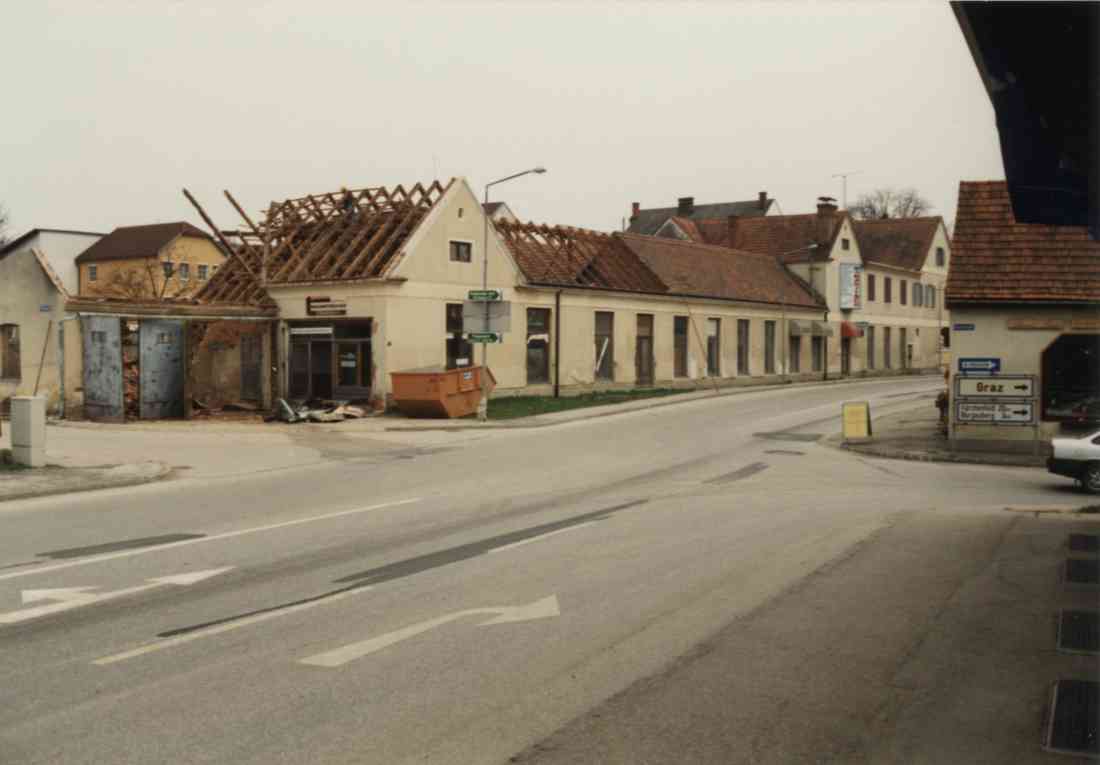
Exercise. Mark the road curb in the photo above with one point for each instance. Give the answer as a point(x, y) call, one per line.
point(672, 400)
point(116, 480)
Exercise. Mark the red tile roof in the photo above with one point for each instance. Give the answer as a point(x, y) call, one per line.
point(776, 235)
point(897, 242)
point(690, 268)
point(129, 242)
point(575, 257)
point(996, 259)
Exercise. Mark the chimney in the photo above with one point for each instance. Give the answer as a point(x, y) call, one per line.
point(731, 229)
point(685, 206)
point(826, 206)
point(762, 198)
point(635, 208)
point(826, 209)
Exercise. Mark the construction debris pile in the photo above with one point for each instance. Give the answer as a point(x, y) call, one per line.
point(131, 371)
point(332, 411)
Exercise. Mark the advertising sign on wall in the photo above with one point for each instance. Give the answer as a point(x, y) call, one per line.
point(851, 292)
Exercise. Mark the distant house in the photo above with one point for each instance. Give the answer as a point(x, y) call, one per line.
point(37, 273)
point(161, 260)
point(676, 222)
point(1025, 308)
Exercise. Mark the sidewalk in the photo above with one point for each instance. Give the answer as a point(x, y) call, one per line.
point(914, 434)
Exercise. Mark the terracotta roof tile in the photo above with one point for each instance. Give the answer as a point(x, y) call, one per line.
point(776, 235)
point(897, 242)
point(994, 258)
point(574, 257)
point(690, 268)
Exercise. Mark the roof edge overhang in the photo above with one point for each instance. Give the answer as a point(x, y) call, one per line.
point(1020, 303)
point(673, 296)
point(126, 308)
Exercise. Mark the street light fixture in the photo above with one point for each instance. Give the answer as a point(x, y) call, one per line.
point(483, 405)
point(786, 339)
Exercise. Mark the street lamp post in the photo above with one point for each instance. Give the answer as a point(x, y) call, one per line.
point(483, 405)
point(783, 314)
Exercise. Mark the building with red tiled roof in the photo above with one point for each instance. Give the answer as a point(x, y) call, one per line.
point(1025, 303)
point(882, 280)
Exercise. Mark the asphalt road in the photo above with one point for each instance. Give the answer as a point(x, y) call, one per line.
point(461, 599)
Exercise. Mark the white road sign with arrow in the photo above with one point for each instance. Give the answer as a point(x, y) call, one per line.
point(539, 609)
point(68, 598)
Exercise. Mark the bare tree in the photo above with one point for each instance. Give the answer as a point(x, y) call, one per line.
point(174, 277)
point(890, 203)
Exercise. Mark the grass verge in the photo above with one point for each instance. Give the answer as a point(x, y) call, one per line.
point(513, 407)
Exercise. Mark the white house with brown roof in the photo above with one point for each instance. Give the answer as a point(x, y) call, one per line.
point(37, 274)
point(1025, 315)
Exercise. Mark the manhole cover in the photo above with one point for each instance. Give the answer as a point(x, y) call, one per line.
point(1084, 543)
point(1075, 717)
point(1082, 571)
point(1079, 632)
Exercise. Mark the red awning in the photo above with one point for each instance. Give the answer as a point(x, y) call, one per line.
point(848, 329)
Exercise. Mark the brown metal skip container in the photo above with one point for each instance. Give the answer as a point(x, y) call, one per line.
point(438, 392)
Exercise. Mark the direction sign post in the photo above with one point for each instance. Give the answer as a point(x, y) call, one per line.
point(999, 386)
point(485, 337)
point(484, 296)
point(987, 366)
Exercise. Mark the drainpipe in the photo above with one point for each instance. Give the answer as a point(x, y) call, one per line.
point(557, 343)
point(61, 362)
point(825, 349)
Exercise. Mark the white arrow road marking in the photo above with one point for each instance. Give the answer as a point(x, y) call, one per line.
point(202, 540)
point(540, 537)
point(59, 593)
point(76, 597)
point(236, 624)
point(539, 609)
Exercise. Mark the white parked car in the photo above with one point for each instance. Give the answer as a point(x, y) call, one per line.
point(1078, 458)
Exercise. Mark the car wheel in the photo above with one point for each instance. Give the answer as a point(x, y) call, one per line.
point(1091, 477)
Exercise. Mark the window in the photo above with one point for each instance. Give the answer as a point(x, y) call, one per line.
point(817, 353)
point(185, 272)
point(93, 273)
point(903, 338)
point(169, 268)
point(902, 293)
point(886, 363)
point(845, 244)
point(714, 347)
point(945, 338)
point(918, 298)
point(680, 346)
point(930, 296)
point(887, 288)
point(769, 347)
point(538, 345)
point(605, 345)
point(460, 352)
point(203, 273)
point(11, 367)
point(742, 346)
point(870, 287)
point(870, 347)
point(794, 361)
point(941, 258)
point(461, 252)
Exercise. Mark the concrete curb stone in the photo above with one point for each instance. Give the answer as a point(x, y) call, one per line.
point(53, 479)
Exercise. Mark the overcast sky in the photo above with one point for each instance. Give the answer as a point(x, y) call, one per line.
point(112, 107)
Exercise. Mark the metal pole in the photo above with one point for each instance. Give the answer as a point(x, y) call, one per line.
point(483, 405)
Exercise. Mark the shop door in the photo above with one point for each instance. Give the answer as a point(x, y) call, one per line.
point(160, 358)
point(251, 369)
point(102, 352)
point(845, 356)
point(320, 369)
point(643, 353)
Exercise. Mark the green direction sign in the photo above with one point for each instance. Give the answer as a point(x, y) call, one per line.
point(485, 337)
point(484, 296)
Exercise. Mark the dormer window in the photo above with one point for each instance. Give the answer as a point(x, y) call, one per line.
point(941, 257)
point(845, 244)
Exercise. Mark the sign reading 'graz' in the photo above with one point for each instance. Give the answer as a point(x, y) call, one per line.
point(1001, 386)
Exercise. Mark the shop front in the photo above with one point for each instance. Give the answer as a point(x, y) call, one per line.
point(330, 360)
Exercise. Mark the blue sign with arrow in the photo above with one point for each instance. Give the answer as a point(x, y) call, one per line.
point(980, 366)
